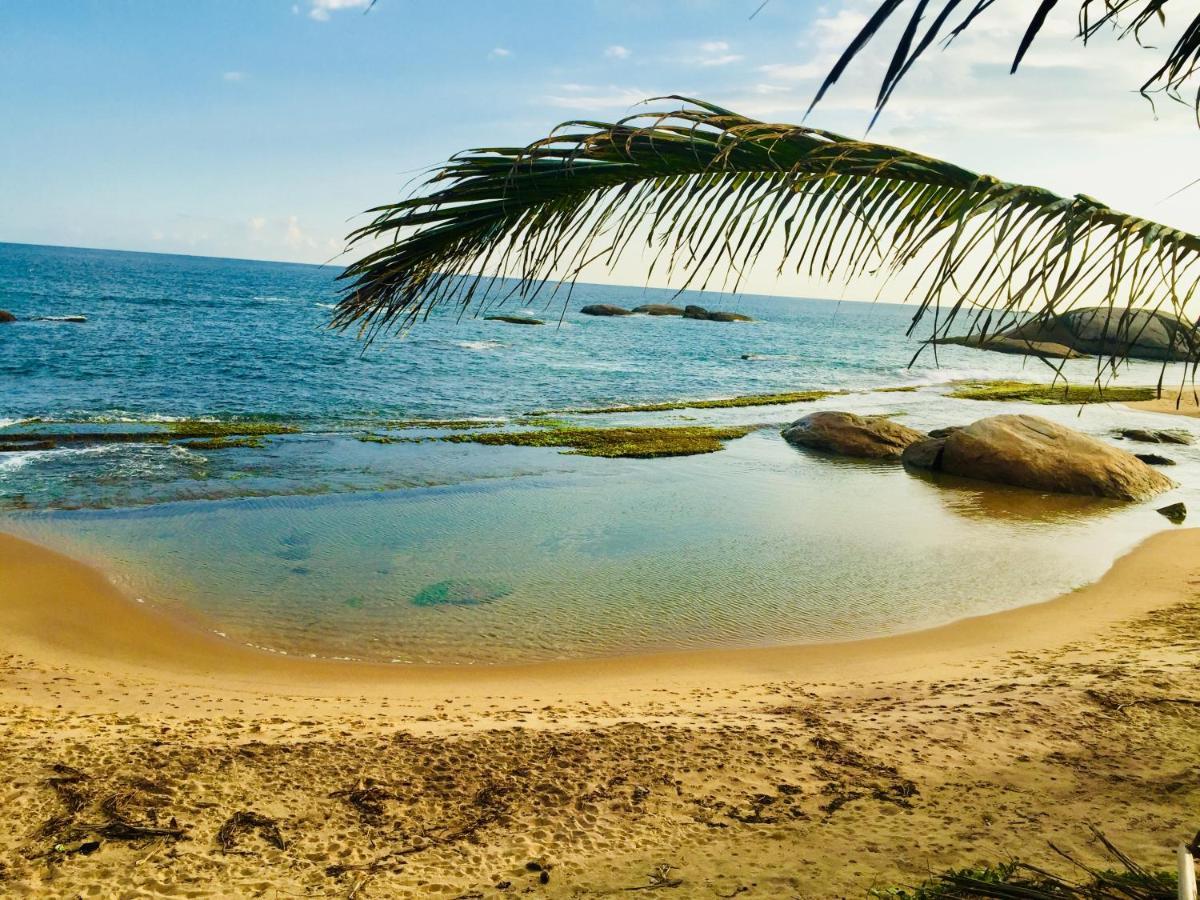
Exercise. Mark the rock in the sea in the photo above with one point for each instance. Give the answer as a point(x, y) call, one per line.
point(1099, 330)
point(658, 309)
point(846, 434)
point(699, 312)
point(6, 316)
point(515, 320)
point(1153, 459)
point(1028, 451)
point(605, 309)
point(1176, 512)
point(461, 592)
point(1155, 436)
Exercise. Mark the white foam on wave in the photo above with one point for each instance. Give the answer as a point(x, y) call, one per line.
point(477, 345)
point(326, 305)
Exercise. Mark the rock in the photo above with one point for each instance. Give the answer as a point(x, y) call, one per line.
point(658, 309)
point(515, 320)
point(1099, 330)
point(6, 316)
point(605, 309)
point(1028, 451)
point(942, 432)
point(1155, 436)
point(1153, 459)
point(1176, 512)
point(699, 312)
point(58, 319)
point(461, 592)
point(1001, 344)
point(843, 433)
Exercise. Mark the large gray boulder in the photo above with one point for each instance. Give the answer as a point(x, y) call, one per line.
point(1096, 331)
point(1031, 452)
point(846, 434)
point(1099, 330)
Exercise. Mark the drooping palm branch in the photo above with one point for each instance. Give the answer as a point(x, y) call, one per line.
point(1178, 71)
point(710, 192)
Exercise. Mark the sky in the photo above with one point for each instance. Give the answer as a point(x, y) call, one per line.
point(263, 129)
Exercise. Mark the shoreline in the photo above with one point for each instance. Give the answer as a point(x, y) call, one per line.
point(100, 627)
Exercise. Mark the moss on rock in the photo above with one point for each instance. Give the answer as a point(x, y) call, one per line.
point(1050, 394)
point(725, 403)
point(635, 443)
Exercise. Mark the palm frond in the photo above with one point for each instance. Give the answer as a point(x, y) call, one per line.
point(710, 192)
point(1178, 71)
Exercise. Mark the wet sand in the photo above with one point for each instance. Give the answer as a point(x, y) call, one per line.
point(803, 771)
point(1179, 403)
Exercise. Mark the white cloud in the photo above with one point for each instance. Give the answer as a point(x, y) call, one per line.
point(320, 9)
point(714, 46)
point(616, 51)
point(714, 53)
point(500, 53)
point(583, 97)
point(234, 76)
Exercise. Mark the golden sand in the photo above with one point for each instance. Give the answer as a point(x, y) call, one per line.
point(1180, 403)
point(804, 771)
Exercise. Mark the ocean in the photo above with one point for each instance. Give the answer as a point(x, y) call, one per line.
point(321, 543)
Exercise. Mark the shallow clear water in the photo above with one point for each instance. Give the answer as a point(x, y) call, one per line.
point(319, 543)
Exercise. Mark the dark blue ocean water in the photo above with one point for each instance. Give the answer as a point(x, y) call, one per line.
point(321, 543)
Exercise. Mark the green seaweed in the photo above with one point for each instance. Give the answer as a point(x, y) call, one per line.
point(461, 592)
point(634, 443)
point(441, 424)
point(206, 429)
point(1048, 394)
point(725, 403)
point(225, 443)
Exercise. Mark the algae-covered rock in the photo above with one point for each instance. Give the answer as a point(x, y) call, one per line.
point(461, 592)
point(1031, 452)
point(847, 434)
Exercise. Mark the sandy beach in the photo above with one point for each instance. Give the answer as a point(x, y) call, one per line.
point(1180, 403)
point(806, 771)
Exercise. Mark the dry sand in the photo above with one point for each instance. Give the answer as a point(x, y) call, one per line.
point(1180, 403)
point(788, 772)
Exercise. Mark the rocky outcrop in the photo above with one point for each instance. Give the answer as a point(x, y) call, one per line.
point(846, 434)
point(6, 316)
point(1154, 436)
point(1041, 349)
point(1097, 331)
point(658, 309)
point(699, 312)
point(605, 309)
point(1031, 452)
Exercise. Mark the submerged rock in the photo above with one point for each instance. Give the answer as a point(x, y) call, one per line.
point(461, 592)
point(1031, 452)
point(1154, 436)
point(846, 434)
point(1176, 512)
point(515, 320)
point(6, 316)
point(605, 309)
point(658, 309)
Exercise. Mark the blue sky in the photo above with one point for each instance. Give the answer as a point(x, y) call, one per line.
point(260, 129)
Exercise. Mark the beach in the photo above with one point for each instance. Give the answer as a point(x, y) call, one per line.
point(806, 771)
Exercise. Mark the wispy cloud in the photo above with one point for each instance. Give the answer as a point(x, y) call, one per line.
point(715, 53)
point(320, 9)
point(233, 76)
point(616, 51)
point(499, 53)
point(586, 96)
